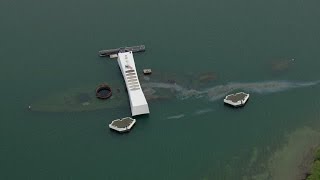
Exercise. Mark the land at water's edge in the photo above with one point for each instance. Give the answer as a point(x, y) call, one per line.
point(315, 169)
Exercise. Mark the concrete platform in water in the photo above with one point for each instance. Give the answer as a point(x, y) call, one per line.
point(122, 125)
point(236, 100)
point(111, 52)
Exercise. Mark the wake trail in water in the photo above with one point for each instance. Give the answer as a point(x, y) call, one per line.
point(176, 116)
point(196, 113)
point(203, 111)
point(220, 91)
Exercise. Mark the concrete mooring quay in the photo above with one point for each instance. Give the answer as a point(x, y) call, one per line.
point(133, 49)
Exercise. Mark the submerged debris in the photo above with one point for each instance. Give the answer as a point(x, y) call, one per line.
point(207, 77)
point(103, 91)
point(281, 65)
point(147, 71)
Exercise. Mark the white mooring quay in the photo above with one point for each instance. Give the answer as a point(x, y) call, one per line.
point(238, 99)
point(138, 101)
point(122, 125)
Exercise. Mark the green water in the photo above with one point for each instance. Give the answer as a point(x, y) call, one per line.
point(48, 47)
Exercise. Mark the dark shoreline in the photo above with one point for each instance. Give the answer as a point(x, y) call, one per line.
point(314, 171)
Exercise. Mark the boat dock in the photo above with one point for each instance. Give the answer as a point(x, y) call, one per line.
point(112, 52)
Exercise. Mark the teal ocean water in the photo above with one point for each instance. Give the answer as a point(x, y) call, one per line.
point(198, 50)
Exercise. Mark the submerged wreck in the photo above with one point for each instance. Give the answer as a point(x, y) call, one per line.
point(158, 87)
